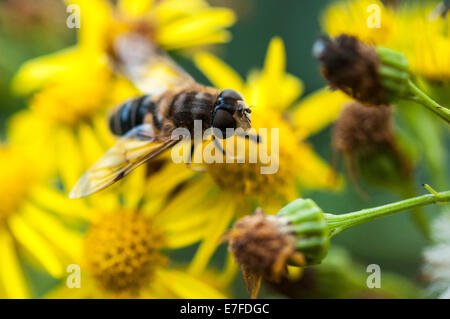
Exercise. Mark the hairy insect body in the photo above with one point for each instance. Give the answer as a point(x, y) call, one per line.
point(171, 109)
point(146, 124)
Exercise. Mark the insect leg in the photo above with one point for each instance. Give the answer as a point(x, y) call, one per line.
point(189, 160)
point(191, 154)
point(219, 146)
point(255, 138)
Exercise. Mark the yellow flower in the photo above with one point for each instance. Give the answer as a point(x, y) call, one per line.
point(410, 28)
point(232, 189)
point(425, 40)
point(359, 18)
point(70, 100)
point(26, 229)
point(306, 119)
point(77, 85)
point(122, 254)
point(172, 24)
point(66, 123)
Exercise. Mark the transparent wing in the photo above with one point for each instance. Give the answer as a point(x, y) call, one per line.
point(147, 66)
point(132, 150)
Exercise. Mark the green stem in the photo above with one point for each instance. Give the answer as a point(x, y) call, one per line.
point(338, 223)
point(424, 99)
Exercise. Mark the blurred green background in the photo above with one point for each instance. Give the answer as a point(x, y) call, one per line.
point(32, 28)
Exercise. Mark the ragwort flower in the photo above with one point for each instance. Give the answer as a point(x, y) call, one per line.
point(122, 253)
point(414, 29)
point(74, 88)
point(27, 229)
point(236, 188)
point(352, 17)
point(171, 24)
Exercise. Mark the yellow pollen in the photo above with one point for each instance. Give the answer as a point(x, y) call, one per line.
point(246, 179)
point(122, 250)
point(16, 177)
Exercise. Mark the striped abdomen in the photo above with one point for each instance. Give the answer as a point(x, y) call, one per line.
point(130, 114)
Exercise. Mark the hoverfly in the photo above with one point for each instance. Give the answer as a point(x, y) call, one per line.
point(145, 124)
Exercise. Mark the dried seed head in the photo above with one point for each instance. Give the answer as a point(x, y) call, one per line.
point(363, 129)
point(259, 243)
point(364, 135)
point(262, 246)
point(351, 66)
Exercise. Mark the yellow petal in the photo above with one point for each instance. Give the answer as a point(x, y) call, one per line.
point(314, 172)
point(158, 287)
point(134, 8)
point(219, 36)
point(152, 205)
point(37, 72)
point(275, 88)
point(148, 294)
point(187, 217)
point(188, 287)
point(69, 157)
point(11, 276)
point(194, 27)
point(317, 111)
point(106, 200)
point(88, 290)
point(220, 219)
point(229, 273)
point(218, 73)
point(103, 132)
point(197, 218)
point(252, 91)
point(28, 131)
point(49, 227)
point(275, 64)
point(59, 203)
point(186, 201)
point(134, 188)
point(294, 273)
point(95, 18)
point(36, 245)
point(90, 144)
point(185, 238)
point(169, 10)
point(164, 181)
point(289, 91)
point(351, 17)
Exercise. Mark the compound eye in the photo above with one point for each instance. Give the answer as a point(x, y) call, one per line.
point(231, 94)
point(223, 120)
